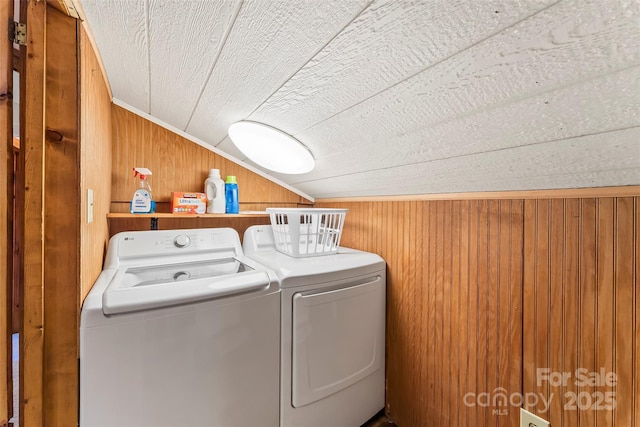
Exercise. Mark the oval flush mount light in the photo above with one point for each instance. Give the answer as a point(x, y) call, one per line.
point(271, 148)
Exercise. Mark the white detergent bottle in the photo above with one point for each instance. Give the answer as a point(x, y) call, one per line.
point(142, 201)
point(214, 189)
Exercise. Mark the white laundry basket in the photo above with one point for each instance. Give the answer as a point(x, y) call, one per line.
point(307, 232)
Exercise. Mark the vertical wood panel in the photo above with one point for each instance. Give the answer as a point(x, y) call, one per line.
point(605, 295)
point(472, 319)
point(454, 319)
point(592, 322)
point(622, 323)
point(571, 295)
point(587, 299)
point(551, 281)
point(32, 342)
point(95, 163)
point(516, 304)
point(6, 218)
point(62, 227)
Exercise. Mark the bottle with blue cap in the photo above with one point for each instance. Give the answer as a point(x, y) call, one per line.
point(231, 195)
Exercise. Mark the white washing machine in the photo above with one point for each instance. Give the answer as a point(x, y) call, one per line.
point(180, 329)
point(332, 333)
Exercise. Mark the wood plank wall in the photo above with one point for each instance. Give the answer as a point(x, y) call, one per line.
point(458, 273)
point(61, 222)
point(454, 321)
point(6, 218)
point(179, 165)
point(581, 309)
point(95, 163)
point(32, 156)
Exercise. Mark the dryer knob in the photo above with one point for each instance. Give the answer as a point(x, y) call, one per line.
point(182, 241)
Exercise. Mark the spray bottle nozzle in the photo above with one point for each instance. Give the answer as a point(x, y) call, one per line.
point(143, 172)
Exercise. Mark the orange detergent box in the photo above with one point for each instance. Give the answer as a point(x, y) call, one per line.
point(188, 203)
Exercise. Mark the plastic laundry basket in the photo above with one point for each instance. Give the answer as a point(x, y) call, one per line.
point(307, 232)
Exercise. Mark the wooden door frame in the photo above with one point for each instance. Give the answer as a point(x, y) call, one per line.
point(6, 228)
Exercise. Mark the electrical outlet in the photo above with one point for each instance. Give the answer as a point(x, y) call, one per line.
point(527, 419)
point(89, 206)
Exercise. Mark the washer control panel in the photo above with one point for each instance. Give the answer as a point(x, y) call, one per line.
point(182, 241)
point(135, 246)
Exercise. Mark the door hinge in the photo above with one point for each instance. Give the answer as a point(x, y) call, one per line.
point(18, 33)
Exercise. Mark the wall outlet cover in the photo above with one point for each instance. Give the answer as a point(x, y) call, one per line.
point(527, 419)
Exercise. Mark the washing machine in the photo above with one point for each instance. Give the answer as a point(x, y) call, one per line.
point(180, 329)
point(332, 363)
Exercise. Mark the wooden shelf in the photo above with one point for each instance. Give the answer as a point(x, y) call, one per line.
point(124, 221)
point(246, 214)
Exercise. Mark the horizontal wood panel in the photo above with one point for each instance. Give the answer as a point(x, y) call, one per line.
point(609, 158)
point(269, 42)
point(591, 107)
point(564, 193)
point(340, 75)
point(454, 292)
point(581, 309)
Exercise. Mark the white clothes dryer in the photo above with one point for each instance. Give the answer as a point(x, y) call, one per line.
point(332, 364)
point(180, 329)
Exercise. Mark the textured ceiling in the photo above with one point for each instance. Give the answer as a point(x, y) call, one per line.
point(393, 97)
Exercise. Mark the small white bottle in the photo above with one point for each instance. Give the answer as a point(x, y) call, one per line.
point(214, 189)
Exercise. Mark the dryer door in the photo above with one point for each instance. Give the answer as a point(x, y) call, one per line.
point(338, 339)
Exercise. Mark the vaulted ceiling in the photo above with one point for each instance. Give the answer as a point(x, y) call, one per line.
point(393, 96)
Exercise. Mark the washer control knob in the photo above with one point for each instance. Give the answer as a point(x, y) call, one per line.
point(182, 241)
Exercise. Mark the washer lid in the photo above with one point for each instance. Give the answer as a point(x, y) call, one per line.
point(145, 287)
point(347, 263)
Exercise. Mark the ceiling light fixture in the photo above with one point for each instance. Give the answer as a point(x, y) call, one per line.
point(271, 148)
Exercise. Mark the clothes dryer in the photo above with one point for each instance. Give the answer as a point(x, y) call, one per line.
point(332, 365)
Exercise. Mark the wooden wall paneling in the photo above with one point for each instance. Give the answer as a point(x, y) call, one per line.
point(590, 324)
point(62, 228)
point(605, 297)
point(492, 304)
point(556, 266)
point(515, 322)
point(474, 311)
point(622, 321)
point(464, 352)
point(636, 313)
point(571, 298)
point(95, 163)
point(454, 300)
point(32, 337)
point(588, 302)
point(139, 142)
point(482, 328)
point(446, 313)
point(6, 220)
point(502, 296)
point(542, 301)
point(453, 398)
